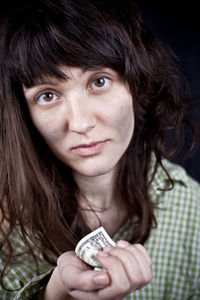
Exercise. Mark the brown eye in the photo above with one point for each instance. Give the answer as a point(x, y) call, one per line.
point(46, 98)
point(99, 82)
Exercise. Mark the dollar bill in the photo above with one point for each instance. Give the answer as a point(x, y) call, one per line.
point(88, 247)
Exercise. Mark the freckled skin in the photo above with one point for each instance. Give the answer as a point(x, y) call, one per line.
point(82, 115)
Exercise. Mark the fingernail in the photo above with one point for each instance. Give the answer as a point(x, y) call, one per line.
point(102, 254)
point(123, 244)
point(100, 280)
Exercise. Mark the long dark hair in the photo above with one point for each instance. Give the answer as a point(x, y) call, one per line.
point(38, 195)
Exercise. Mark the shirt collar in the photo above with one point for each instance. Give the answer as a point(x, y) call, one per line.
point(161, 180)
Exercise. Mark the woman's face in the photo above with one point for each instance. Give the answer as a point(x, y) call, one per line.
point(87, 119)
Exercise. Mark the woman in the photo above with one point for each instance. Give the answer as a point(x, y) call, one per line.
point(88, 97)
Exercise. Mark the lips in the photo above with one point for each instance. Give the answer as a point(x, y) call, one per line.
point(89, 149)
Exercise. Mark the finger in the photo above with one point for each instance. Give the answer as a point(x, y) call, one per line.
point(143, 259)
point(124, 244)
point(131, 266)
point(145, 253)
point(135, 265)
point(120, 284)
point(76, 275)
point(88, 280)
point(140, 261)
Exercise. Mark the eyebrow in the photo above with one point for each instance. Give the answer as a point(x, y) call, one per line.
point(40, 83)
point(47, 81)
point(44, 82)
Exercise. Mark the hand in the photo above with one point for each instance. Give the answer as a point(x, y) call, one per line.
point(128, 268)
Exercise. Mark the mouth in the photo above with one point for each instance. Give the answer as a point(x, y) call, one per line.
point(89, 149)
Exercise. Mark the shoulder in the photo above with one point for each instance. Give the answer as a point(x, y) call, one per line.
point(174, 243)
point(178, 206)
point(184, 190)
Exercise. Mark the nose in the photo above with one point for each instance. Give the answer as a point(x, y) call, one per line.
point(81, 118)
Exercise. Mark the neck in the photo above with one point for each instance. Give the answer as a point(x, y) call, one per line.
point(99, 201)
point(98, 191)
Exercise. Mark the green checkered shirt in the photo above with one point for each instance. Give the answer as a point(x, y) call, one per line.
point(174, 246)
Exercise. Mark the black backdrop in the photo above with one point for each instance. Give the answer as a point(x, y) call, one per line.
point(178, 25)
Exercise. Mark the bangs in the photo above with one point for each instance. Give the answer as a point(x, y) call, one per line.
point(45, 39)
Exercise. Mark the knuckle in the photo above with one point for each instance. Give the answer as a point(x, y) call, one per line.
point(133, 249)
point(115, 251)
point(118, 253)
point(63, 257)
point(60, 259)
point(139, 246)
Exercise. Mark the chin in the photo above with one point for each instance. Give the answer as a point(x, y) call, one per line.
point(95, 166)
point(93, 172)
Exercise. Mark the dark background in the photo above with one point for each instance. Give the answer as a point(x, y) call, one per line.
point(178, 25)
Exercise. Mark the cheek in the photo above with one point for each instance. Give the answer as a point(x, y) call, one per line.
point(47, 127)
point(125, 123)
point(123, 120)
